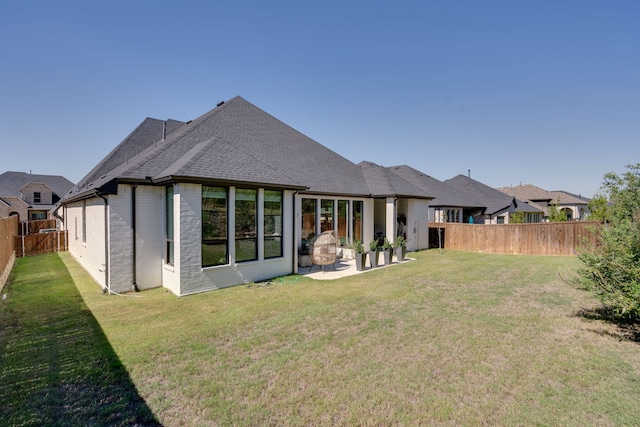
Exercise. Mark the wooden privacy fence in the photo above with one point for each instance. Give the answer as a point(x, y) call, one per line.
point(544, 238)
point(8, 232)
point(33, 227)
point(41, 243)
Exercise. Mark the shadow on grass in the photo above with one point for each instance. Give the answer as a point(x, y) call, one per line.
point(56, 365)
point(628, 328)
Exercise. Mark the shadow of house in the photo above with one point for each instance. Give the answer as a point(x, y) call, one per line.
point(58, 367)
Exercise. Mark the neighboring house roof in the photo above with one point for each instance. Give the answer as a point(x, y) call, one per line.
point(541, 198)
point(527, 192)
point(384, 183)
point(238, 143)
point(12, 182)
point(444, 194)
point(493, 199)
point(567, 198)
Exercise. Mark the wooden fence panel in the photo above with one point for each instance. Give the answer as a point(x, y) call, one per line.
point(546, 238)
point(8, 233)
point(33, 227)
point(42, 243)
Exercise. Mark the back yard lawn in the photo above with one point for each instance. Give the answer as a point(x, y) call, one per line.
point(449, 339)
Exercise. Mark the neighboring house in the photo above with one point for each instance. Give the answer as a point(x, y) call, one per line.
point(449, 203)
point(224, 199)
point(30, 196)
point(574, 206)
point(398, 205)
point(498, 205)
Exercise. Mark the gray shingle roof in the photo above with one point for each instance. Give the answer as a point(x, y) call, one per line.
point(542, 197)
point(12, 182)
point(238, 142)
point(494, 200)
point(445, 195)
point(384, 183)
point(148, 133)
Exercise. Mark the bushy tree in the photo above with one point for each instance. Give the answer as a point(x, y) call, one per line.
point(516, 218)
point(555, 214)
point(598, 208)
point(612, 269)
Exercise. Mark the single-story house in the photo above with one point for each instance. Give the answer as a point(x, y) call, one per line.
point(30, 196)
point(449, 203)
point(498, 205)
point(575, 207)
point(230, 197)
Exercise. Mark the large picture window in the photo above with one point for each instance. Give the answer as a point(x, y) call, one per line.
point(343, 212)
point(246, 224)
point(357, 220)
point(214, 226)
point(326, 215)
point(308, 222)
point(272, 224)
point(169, 225)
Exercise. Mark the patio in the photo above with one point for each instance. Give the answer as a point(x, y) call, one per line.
point(343, 268)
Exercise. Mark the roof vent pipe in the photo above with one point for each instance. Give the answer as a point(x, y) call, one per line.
point(164, 130)
point(469, 173)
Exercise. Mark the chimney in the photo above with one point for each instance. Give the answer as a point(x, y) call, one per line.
point(164, 130)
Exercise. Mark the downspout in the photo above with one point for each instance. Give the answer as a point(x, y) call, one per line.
point(107, 287)
point(134, 286)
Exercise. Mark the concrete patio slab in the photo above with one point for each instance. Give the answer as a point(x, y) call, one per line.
point(343, 268)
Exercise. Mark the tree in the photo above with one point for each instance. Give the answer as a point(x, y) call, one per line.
point(556, 215)
point(598, 208)
point(516, 218)
point(612, 269)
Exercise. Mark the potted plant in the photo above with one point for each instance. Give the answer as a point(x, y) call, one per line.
point(373, 253)
point(387, 250)
point(400, 248)
point(361, 255)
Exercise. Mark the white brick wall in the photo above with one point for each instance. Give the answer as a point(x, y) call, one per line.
point(193, 278)
point(150, 236)
point(90, 254)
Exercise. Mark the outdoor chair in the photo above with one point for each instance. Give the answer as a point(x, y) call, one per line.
point(323, 250)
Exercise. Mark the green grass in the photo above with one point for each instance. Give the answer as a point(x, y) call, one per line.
point(56, 365)
point(449, 339)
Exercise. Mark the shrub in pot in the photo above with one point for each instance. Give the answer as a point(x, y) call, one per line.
point(387, 250)
point(361, 255)
point(373, 253)
point(400, 248)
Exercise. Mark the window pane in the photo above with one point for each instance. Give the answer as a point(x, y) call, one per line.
point(169, 224)
point(357, 220)
point(343, 211)
point(246, 225)
point(308, 223)
point(214, 226)
point(326, 215)
point(272, 224)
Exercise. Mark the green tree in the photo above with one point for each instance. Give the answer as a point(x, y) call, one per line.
point(516, 218)
point(598, 208)
point(555, 214)
point(612, 269)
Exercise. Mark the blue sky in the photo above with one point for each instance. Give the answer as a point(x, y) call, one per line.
point(532, 92)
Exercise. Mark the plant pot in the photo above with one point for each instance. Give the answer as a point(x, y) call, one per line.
point(373, 259)
point(360, 261)
point(388, 253)
point(400, 253)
